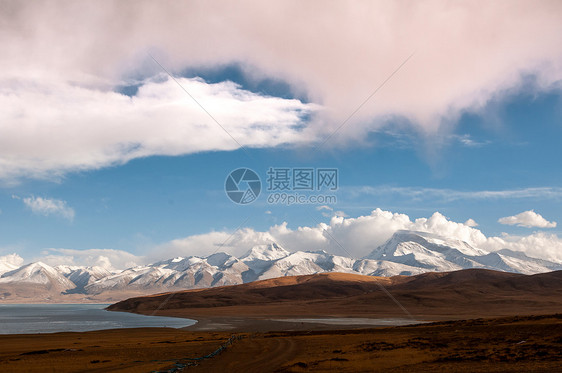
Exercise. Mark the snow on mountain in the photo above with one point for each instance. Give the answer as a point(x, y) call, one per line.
point(426, 240)
point(511, 261)
point(435, 253)
point(82, 276)
point(461, 246)
point(38, 273)
point(405, 253)
point(119, 281)
point(412, 249)
point(385, 268)
point(259, 258)
point(215, 270)
point(265, 253)
point(295, 264)
point(305, 263)
point(179, 273)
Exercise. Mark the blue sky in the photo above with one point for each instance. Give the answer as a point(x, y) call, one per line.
point(152, 200)
point(106, 151)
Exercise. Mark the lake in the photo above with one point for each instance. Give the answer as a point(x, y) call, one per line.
point(52, 318)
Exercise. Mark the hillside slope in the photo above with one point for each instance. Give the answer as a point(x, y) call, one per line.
point(472, 292)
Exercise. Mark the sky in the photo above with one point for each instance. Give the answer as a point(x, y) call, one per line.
point(120, 123)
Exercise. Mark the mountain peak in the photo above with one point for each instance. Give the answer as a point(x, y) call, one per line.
point(266, 252)
point(221, 259)
point(37, 273)
point(404, 242)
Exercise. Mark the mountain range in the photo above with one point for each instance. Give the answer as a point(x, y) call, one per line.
point(405, 253)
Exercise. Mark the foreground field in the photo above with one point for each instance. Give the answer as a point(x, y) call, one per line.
point(532, 344)
point(493, 338)
point(514, 344)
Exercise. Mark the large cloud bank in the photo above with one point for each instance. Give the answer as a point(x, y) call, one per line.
point(62, 63)
point(358, 236)
point(355, 237)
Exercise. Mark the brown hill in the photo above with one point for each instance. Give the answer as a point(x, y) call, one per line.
point(459, 294)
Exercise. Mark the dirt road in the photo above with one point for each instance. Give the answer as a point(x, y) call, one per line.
point(254, 354)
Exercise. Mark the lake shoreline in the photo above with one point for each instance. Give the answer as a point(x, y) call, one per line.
point(55, 318)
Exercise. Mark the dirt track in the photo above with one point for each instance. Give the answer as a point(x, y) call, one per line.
point(268, 354)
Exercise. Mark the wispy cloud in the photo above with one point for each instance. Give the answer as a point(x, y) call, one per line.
point(468, 141)
point(328, 211)
point(48, 207)
point(528, 219)
point(448, 195)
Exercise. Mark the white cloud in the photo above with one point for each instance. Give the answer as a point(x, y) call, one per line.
point(358, 236)
point(48, 206)
point(235, 243)
point(527, 219)
point(61, 112)
point(51, 129)
point(539, 245)
point(110, 259)
point(471, 223)
point(12, 259)
point(440, 225)
point(328, 211)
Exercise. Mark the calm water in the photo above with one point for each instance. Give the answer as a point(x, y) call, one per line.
point(357, 321)
point(51, 318)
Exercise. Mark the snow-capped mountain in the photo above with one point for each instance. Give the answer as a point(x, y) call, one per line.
point(39, 274)
point(82, 276)
point(179, 273)
point(435, 253)
point(35, 281)
point(405, 253)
